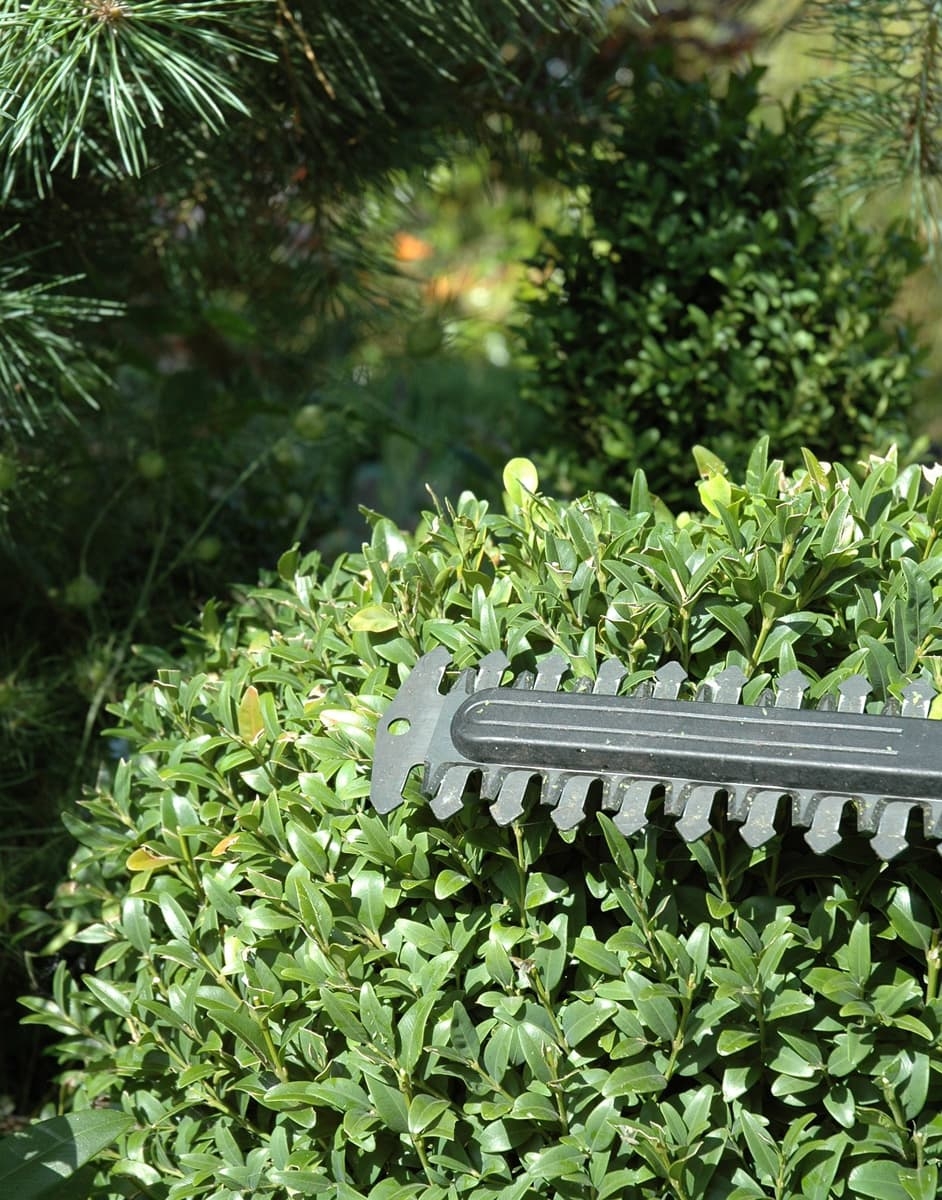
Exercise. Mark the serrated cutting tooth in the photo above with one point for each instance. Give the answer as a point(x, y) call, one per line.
point(668, 681)
point(490, 670)
point(869, 810)
point(890, 838)
point(491, 782)
point(825, 831)
point(553, 784)
point(853, 693)
point(932, 820)
point(802, 807)
point(509, 803)
point(549, 673)
point(609, 678)
point(449, 796)
point(571, 807)
point(917, 698)
point(791, 689)
point(633, 812)
point(726, 687)
point(613, 791)
point(760, 809)
point(510, 736)
point(697, 806)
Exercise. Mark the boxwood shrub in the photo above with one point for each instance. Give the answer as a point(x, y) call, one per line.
point(698, 294)
point(294, 996)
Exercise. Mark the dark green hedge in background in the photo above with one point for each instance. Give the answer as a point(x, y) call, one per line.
point(697, 295)
point(296, 997)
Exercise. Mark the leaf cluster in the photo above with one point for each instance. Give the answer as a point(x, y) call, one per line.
point(294, 996)
point(697, 297)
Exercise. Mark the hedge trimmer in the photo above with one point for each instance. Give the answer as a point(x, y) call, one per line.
point(632, 747)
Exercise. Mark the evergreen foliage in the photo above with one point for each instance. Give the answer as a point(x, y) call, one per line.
point(141, 124)
point(697, 297)
point(294, 996)
point(881, 91)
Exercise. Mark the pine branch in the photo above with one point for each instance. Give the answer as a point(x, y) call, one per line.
point(94, 82)
point(41, 351)
point(69, 70)
point(883, 105)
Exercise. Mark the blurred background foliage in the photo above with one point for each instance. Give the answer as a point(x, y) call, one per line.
point(275, 275)
point(696, 295)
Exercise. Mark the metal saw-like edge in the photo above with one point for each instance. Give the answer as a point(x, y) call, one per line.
point(821, 759)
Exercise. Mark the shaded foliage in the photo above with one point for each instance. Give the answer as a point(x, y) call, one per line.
point(697, 297)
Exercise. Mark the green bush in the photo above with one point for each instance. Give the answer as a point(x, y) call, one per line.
point(294, 996)
point(696, 296)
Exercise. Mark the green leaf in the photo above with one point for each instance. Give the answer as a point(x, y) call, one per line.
point(656, 1008)
point(555, 1162)
point(732, 619)
point(788, 1003)
point(448, 883)
point(368, 889)
point(595, 955)
point(464, 1037)
point(112, 997)
point(544, 889)
point(375, 618)
point(390, 1105)
point(839, 1101)
point(387, 542)
point(251, 725)
point(715, 494)
point(521, 481)
point(34, 1162)
point(738, 1080)
point(731, 1041)
point(879, 1178)
point(424, 1111)
point(531, 1106)
point(412, 1030)
point(850, 1050)
point(637, 1078)
point(764, 1152)
point(915, 1090)
point(817, 473)
point(858, 951)
point(579, 1020)
point(910, 918)
point(708, 463)
point(135, 924)
point(176, 919)
point(621, 852)
point(288, 562)
point(921, 1184)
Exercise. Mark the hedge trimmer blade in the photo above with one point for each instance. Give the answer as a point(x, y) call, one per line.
point(821, 759)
